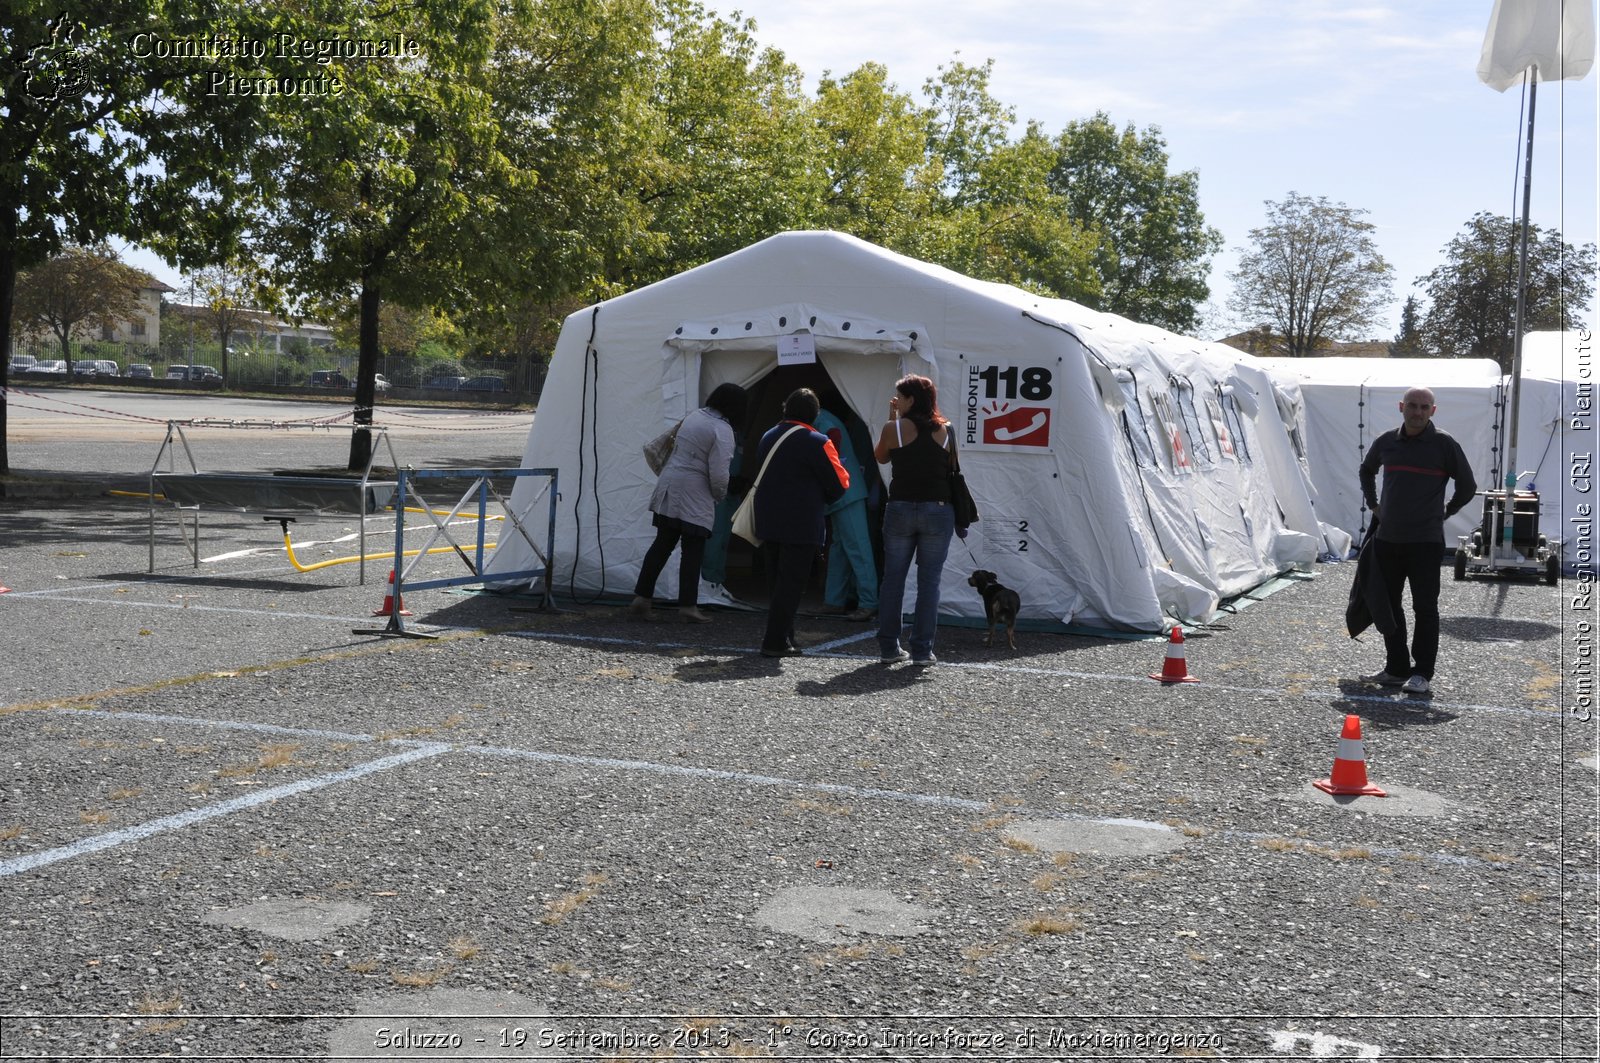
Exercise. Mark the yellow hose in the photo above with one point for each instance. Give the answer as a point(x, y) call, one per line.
point(288, 548)
point(449, 513)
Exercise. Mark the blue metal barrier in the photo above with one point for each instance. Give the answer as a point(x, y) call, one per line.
point(481, 488)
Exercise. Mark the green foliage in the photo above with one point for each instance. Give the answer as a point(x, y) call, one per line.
point(1314, 274)
point(77, 290)
point(1152, 247)
point(523, 159)
point(1472, 294)
point(966, 128)
point(1408, 341)
point(95, 134)
point(732, 146)
point(871, 150)
point(572, 91)
point(1013, 229)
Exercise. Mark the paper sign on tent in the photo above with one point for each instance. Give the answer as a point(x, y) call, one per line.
point(797, 349)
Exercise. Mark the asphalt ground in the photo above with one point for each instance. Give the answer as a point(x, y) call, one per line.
point(232, 829)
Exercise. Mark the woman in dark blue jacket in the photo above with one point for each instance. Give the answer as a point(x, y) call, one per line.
point(802, 478)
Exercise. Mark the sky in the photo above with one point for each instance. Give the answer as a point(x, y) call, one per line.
point(1374, 105)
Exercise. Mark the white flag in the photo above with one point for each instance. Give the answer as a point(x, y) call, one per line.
point(1557, 36)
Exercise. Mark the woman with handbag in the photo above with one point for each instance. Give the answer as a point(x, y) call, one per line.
point(799, 477)
point(693, 480)
point(919, 520)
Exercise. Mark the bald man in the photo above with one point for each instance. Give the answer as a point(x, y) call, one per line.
point(1417, 459)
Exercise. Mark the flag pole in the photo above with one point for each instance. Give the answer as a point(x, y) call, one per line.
point(1502, 533)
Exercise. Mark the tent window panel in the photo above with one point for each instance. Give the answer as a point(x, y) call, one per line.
point(1228, 426)
point(1134, 425)
point(1178, 450)
point(1191, 425)
point(1235, 418)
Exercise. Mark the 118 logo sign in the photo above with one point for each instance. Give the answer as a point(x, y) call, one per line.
point(1009, 407)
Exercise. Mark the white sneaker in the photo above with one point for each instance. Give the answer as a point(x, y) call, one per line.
point(1384, 679)
point(1417, 685)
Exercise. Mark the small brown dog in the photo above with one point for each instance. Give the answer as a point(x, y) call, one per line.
point(1001, 605)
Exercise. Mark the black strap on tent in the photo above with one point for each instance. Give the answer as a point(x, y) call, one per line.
point(1500, 403)
point(591, 363)
point(1361, 452)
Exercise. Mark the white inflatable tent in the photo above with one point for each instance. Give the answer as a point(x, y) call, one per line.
point(1125, 476)
point(1346, 403)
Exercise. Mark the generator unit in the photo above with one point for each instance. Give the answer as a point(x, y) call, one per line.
point(1519, 550)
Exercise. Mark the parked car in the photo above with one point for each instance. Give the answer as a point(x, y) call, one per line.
point(84, 369)
point(21, 363)
point(485, 383)
point(203, 372)
point(106, 367)
point(329, 378)
point(445, 383)
point(177, 372)
point(48, 368)
point(379, 383)
point(140, 371)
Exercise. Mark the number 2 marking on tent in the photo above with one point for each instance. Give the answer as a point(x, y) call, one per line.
point(1022, 536)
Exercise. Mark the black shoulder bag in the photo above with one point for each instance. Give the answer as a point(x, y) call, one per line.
point(966, 510)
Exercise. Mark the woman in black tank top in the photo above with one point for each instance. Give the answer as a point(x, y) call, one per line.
point(918, 521)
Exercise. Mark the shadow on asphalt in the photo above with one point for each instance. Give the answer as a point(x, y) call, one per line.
point(1496, 629)
point(210, 579)
point(1387, 711)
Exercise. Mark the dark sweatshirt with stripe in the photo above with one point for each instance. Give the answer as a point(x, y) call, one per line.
point(1415, 469)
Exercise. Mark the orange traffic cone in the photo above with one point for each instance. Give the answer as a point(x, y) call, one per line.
point(1176, 667)
point(1349, 776)
point(392, 602)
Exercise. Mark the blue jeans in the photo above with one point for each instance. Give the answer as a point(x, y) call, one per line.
point(921, 530)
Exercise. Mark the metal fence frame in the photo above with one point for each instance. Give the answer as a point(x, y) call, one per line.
point(481, 488)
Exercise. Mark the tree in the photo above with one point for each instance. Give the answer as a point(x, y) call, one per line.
point(82, 287)
point(573, 98)
point(1011, 228)
point(1408, 342)
point(967, 128)
point(99, 137)
point(730, 159)
point(229, 294)
point(872, 148)
point(1314, 274)
point(1154, 248)
point(1473, 293)
point(386, 187)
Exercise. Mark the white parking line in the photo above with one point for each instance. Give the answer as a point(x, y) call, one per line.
point(723, 775)
point(123, 604)
point(115, 838)
point(226, 725)
point(654, 768)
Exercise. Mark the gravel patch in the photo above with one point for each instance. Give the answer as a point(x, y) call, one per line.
point(832, 915)
point(1097, 838)
point(1400, 801)
point(291, 919)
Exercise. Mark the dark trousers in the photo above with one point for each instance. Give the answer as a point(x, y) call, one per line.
point(655, 559)
point(791, 568)
point(1419, 564)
